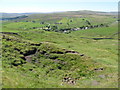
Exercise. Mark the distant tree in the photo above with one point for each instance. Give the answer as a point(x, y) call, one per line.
point(71, 20)
point(33, 21)
point(54, 27)
point(68, 24)
point(88, 22)
point(33, 27)
point(91, 26)
point(101, 25)
point(42, 23)
point(48, 26)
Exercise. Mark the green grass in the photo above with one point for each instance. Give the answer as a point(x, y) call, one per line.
point(50, 64)
point(34, 21)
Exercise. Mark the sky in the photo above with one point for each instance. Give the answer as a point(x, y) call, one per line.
point(24, 6)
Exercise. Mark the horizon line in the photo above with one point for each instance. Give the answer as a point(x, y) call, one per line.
point(61, 11)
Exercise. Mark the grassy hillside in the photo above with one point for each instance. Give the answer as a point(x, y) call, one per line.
point(59, 25)
point(48, 59)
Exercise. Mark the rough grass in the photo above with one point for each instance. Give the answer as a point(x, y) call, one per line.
point(50, 63)
point(54, 63)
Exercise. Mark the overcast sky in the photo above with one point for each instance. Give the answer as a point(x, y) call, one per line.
point(22, 6)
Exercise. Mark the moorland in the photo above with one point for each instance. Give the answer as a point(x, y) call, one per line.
point(75, 49)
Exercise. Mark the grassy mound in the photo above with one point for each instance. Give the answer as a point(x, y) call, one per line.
point(23, 58)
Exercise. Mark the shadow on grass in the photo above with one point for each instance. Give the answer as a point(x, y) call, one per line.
point(96, 38)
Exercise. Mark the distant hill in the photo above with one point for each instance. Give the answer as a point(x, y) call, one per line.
point(91, 12)
point(12, 16)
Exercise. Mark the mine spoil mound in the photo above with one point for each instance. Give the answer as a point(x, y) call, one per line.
point(55, 61)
